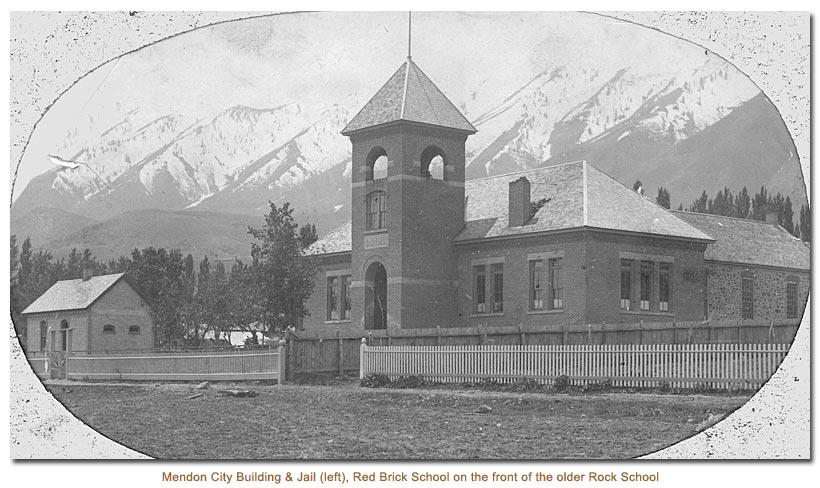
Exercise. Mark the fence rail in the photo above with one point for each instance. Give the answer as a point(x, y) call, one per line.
point(337, 351)
point(199, 366)
point(711, 366)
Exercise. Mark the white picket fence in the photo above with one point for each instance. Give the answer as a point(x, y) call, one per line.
point(712, 366)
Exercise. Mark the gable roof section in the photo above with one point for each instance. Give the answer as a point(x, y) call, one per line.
point(73, 294)
point(750, 242)
point(409, 95)
point(579, 195)
point(338, 240)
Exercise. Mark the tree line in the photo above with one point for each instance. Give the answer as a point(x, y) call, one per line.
point(191, 301)
point(742, 205)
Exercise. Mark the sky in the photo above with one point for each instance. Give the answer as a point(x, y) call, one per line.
point(318, 58)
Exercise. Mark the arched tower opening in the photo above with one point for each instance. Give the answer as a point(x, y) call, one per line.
point(433, 163)
point(376, 164)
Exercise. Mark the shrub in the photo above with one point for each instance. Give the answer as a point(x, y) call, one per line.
point(598, 386)
point(527, 384)
point(408, 382)
point(561, 383)
point(375, 381)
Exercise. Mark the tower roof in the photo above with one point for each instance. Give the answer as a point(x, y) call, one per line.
point(409, 95)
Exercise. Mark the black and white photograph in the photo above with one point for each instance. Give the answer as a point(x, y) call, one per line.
point(410, 236)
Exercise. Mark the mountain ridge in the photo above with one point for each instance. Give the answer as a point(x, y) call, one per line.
point(675, 130)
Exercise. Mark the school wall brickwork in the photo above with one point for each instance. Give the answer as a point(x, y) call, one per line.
point(514, 253)
point(603, 268)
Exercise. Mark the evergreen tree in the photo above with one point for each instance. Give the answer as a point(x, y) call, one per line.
point(760, 204)
point(805, 223)
point(204, 271)
point(14, 292)
point(701, 205)
point(743, 204)
point(307, 235)
point(787, 217)
point(663, 198)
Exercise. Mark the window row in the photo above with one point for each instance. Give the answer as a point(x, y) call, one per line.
point(747, 297)
point(639, 282)
point(107, 329)
point(338, 297)
point(432, 163)
point(132, 329)
point(546, 286)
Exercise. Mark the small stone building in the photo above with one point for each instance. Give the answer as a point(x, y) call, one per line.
point(564, 244)
point(102, 313)
point(755, 270)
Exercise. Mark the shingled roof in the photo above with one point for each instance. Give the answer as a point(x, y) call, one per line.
point(409, 95)
point(73, 294)
point(578, 195)
point(338, 240)
point(750, 242)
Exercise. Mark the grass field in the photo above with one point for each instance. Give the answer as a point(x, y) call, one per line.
point(346, 421)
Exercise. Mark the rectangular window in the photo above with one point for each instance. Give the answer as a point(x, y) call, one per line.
point(646, 284)
point(626, 284)
point(346, 297)
point(338, 297)
point(332, 298)
point(537, 284)
point(376, 217)
point(556, 285)
point(498, 287)
point(665, 287)
point(791, 300)
point(480, 279)
point(43, 335)
point(747, 296)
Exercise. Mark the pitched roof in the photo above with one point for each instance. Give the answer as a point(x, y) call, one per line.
point(409, 95)
point(750, 242)
point(337, 240)
point(73, 294)
point(578, 195)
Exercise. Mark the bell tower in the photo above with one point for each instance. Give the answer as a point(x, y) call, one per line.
point(407, 203)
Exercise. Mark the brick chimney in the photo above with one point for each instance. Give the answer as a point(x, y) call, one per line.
point(519, 202)
point(88, 273)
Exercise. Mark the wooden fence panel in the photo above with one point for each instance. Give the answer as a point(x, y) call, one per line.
point(255, 364)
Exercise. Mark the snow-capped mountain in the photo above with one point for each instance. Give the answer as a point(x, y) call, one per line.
point(629, 122)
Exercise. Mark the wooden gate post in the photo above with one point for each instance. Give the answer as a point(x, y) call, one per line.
point(362, 349)
point(282, 359)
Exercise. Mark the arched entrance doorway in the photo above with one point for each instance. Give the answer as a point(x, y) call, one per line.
point(375, 297)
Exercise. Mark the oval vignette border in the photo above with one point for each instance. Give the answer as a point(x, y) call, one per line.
point(771, 48)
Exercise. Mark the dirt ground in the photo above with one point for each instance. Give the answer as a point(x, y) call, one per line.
point(346, 421)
